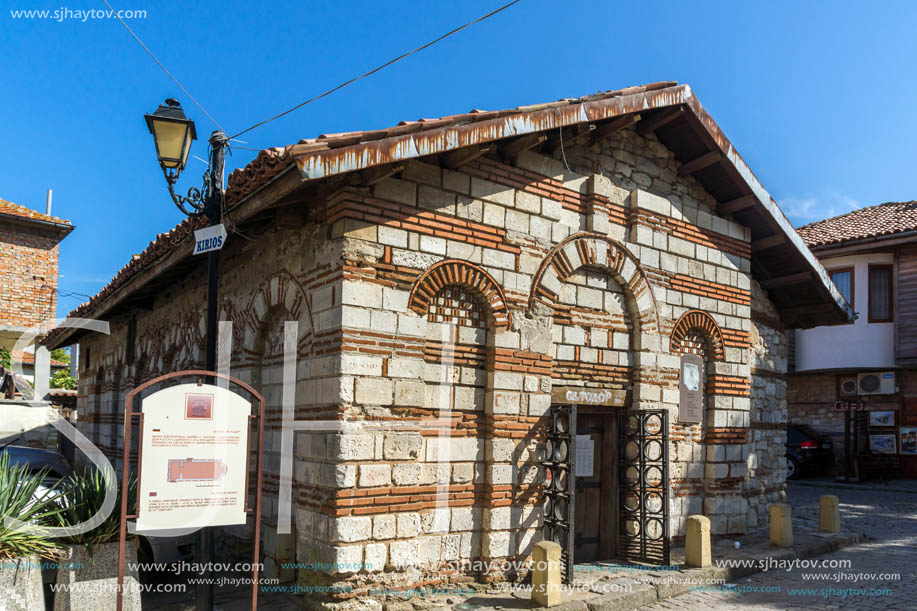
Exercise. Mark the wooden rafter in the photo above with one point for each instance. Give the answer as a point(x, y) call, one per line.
point(769, 242)
point(513, 148)
point(603, 131)
point(555, 141)
point(699, 163)
point(664, 118)
point(787, 280)
point(374, 175)
point(737, 204)
point(460, 157)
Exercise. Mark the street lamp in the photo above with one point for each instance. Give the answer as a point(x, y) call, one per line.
point(172, 134)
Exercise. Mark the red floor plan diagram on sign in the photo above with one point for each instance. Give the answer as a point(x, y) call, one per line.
point(196, 470)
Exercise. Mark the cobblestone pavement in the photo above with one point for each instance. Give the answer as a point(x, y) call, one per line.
point(890, 521)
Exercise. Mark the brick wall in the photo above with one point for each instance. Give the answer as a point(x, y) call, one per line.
point(28, 274)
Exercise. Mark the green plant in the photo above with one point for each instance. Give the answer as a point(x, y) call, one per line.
point(81, 498)
point(63, 379)
point(22, 497)
point(61, 354)
point(6, 357)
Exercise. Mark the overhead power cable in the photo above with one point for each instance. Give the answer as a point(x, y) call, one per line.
point(159, 63)
point(377, 69)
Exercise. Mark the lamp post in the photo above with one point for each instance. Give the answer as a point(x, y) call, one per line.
point(172, 134)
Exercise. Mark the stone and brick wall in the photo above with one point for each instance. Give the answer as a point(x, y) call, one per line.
point(437, 310)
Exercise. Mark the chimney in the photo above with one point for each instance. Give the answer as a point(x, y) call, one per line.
point(48, 204)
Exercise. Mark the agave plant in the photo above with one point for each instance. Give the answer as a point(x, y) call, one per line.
point(23, 496)
point(81, 498)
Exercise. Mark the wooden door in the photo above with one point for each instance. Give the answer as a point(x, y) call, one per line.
point(595, 521)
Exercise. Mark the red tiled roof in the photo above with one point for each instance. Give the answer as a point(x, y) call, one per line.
point(271, 162)
point(11, 209)
point(872, 222)
point(414, 139)
point(28, 358)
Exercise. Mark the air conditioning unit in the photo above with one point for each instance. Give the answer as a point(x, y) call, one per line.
point(849, 386)
point(877, 383)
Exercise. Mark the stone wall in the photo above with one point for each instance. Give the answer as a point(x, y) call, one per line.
point(764, 454)
point(436, 312)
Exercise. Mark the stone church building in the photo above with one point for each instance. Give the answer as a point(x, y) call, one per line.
point(564, 320)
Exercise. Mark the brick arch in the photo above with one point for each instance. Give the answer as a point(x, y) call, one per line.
point(703, 323)
point(475, 280)
point(278, 291)
point(598, 251)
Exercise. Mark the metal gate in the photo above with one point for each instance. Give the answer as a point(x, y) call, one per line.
point(644, 486)
point(560, 482)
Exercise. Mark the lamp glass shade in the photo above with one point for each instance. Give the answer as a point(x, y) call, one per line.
point(172, 133)
point(173, 142)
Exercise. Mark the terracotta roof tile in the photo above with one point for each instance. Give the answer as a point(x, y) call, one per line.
point(28, 358)
point(271, 162)
point(12, 209)
point(871, 222)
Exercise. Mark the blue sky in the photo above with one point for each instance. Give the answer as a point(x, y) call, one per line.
point(816, 96)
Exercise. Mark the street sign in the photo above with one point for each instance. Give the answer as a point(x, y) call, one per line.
point(209, 238)
point(843, 406)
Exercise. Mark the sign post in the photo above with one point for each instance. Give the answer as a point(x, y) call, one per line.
point(193, 460)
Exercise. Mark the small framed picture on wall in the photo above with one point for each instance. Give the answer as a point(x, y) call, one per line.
point(883, 418)
point(883, 444)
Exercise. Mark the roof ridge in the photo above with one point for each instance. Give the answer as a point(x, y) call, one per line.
point(14, 209)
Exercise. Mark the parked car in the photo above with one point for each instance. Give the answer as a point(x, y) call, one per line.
point(38, 459)
point(807, 452)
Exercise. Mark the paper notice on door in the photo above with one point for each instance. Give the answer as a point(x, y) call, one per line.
point(585, 455)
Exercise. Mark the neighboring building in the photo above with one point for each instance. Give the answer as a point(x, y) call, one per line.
point(871, 255)
point(28, 366)
point(28, 268)
point(489, 268)
point(28, 296)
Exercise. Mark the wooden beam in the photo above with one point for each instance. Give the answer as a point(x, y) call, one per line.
point(737, 204)
point(603, 131)
point(460, 157)
point(379, 173)
point(788, 280)
point(664, 118)
point(555, 141)
point(512, 149)
point(699, 163)
point(769, 242)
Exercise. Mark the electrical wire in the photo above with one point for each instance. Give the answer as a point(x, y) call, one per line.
point(159, 63)
point(377, 69)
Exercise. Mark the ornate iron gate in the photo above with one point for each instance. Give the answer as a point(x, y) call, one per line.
point(644, 486)
point(560, 482)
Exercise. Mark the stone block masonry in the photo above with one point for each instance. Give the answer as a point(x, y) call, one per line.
point(442, 307)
